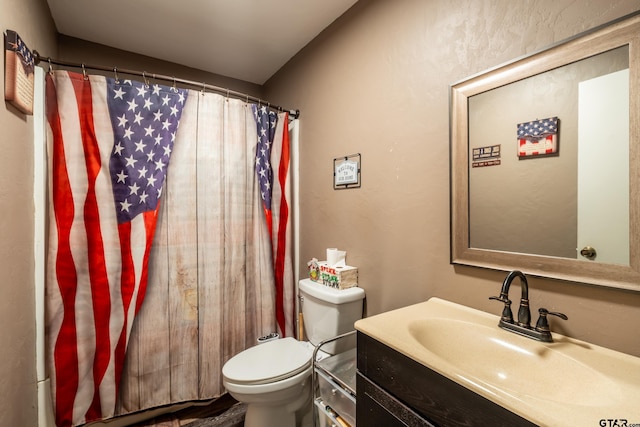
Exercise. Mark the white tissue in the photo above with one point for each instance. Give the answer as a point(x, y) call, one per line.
point(336, 258)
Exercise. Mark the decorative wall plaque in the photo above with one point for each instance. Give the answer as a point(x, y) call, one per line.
point(538, 137)
point(486, 156)
point(18, 66)
point(346, 172)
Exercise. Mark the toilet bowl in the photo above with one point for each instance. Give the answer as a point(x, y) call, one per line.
point(274, 380)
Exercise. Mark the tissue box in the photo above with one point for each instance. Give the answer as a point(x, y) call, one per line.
point(337, 277)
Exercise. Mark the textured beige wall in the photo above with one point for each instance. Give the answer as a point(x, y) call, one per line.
point(376, 82)
point(18, 403)
point(81, 51)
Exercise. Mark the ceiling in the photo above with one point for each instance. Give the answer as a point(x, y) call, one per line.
point(248, 40)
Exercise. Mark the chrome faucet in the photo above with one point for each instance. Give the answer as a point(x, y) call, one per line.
point(523, 327)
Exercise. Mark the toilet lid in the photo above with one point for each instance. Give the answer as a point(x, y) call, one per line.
point(268, 362)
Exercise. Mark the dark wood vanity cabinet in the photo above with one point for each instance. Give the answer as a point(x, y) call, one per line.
point(379, 408)
point(394, 390)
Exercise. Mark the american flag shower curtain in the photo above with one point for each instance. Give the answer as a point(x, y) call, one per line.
point(207, 277)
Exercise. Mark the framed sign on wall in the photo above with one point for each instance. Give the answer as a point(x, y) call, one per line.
point(18, 66)
point(538, 138)
point(346, 172)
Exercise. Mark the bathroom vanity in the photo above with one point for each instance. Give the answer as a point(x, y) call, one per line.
point(395, 390)
point(438, 363)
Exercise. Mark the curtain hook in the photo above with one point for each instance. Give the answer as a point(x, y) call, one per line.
point(203, 87)
point(84, 73)
point(50, 67)
point(227, 94)
point(115, 73)
point(174, 88)
point(144, 77)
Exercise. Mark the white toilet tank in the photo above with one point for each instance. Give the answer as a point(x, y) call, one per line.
point(328, 312)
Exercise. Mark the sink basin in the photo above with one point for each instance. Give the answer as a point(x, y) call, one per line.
point(566, 382)
point(470, 346)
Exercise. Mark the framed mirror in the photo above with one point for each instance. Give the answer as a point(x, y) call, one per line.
point(545, 161)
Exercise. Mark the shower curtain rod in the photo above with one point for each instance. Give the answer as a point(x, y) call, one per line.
point(38, 58)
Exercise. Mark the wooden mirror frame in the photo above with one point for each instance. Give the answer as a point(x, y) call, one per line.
point(624, 31)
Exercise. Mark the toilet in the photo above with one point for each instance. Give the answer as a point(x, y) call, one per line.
point(274, 378)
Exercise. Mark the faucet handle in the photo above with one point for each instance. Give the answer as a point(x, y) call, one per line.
point(543, 325)
point(507, 315)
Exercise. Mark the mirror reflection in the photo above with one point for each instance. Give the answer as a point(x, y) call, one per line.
point(545, 170)
point(553, 190)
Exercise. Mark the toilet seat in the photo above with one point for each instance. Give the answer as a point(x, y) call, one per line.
point(269, 362)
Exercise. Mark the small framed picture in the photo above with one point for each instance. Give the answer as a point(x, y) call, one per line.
point(538, 138)
point(18, 68)
point(346, 172)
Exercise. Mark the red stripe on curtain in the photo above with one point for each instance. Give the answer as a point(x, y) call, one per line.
point(65, 348)
point(97, 270)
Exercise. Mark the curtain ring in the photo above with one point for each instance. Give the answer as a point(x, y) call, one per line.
point(174, 88)
point(144, 77)
point(50, 67)
point(84, 73)
point(203, 87)
point(115, 73)
point(227, 94)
